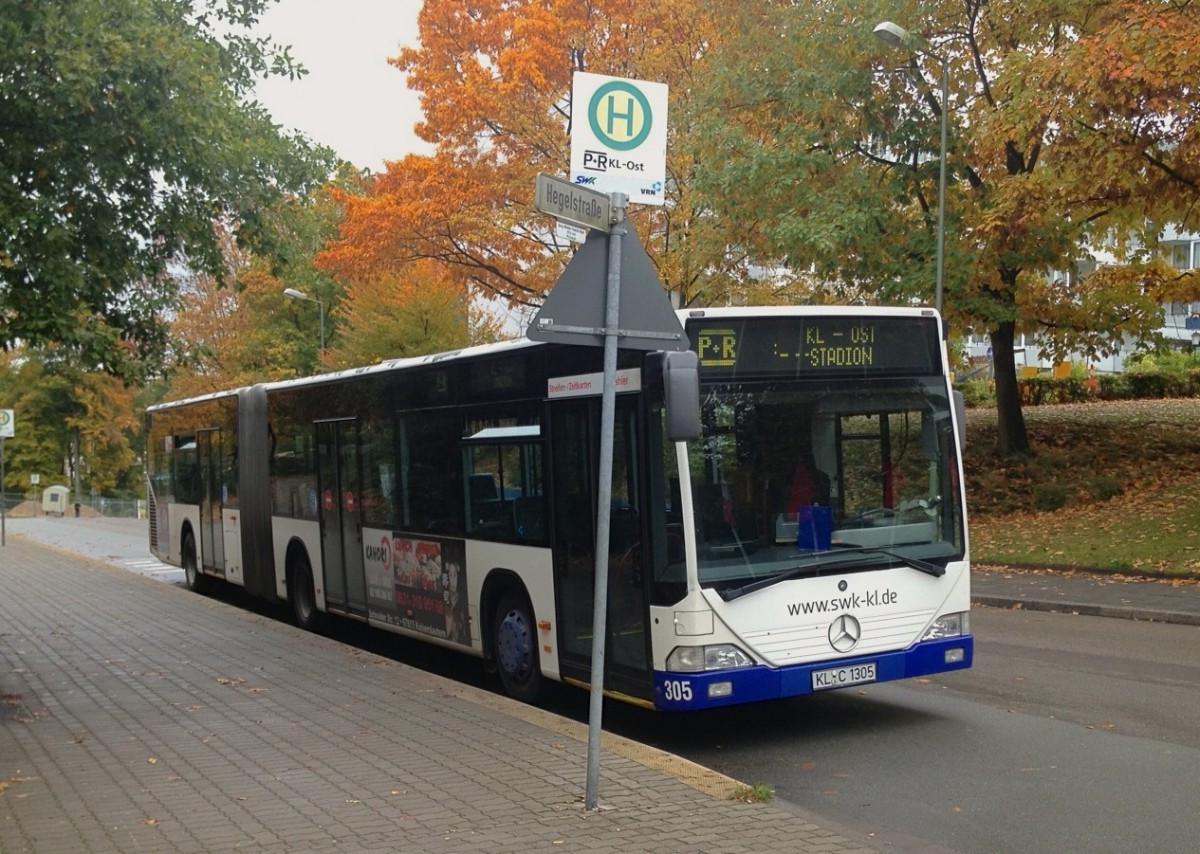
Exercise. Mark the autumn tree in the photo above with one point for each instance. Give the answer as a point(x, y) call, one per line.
point(420, 311)
point(495, 84)
point(128, 129)
point(240, 328)
point(1072, 126)
point(237, 335)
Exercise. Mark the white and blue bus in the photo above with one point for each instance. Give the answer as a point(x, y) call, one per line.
point(813, 537)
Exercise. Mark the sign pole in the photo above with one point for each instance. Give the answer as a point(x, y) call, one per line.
point(608, 408)
point(3, 497)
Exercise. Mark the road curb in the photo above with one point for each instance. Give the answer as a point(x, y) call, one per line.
point(1090, 609)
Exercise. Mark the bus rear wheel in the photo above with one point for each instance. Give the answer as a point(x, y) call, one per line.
point(302, 596)
point(515, 647)
point(196, 581)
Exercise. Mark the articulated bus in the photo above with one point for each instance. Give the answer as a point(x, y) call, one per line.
point(813, 537)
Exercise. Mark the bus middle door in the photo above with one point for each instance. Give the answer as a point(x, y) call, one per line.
point(338, 483)
point(212, 534)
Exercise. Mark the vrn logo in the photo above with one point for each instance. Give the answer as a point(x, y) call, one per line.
point(585, 179)
point(653, 190)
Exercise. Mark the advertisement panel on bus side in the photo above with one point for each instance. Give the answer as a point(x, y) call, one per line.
point(418, 584)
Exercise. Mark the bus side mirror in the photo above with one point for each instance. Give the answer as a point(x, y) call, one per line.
point(681, 390)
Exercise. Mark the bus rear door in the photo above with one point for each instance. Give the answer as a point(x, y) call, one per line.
point(212, 534)
point(338, 483)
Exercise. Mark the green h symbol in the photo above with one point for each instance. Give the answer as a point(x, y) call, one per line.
point(614, 114)
point(637, 125)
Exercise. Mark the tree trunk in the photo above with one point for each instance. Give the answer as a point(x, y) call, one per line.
point(75, 469)
point(1010, 419)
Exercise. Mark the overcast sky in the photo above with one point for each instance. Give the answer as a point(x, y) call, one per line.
point(351, 99)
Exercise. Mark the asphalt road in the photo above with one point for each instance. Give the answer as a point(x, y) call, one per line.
point(1070, 734)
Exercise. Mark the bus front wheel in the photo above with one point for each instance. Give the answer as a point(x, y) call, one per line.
point(302, 596)
point(195, 579)
point(515, 646)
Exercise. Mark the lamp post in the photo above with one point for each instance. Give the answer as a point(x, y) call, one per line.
point(897, 36)
point(292, 293)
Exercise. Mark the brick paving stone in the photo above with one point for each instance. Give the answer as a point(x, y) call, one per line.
point(140, 717)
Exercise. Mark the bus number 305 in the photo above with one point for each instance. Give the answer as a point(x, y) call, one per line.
point(678, 691)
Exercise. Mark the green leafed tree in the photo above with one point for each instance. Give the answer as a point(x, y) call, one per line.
point(1073, 126)
point(68, 421)
point(127, 129)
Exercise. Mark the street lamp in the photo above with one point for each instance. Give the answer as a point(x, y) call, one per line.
point(295, 294)
point(897, 36)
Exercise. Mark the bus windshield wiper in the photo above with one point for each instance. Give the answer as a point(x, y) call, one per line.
point(732, 593)
point(916, 563)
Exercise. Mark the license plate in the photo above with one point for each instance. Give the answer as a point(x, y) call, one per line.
point(840, 677)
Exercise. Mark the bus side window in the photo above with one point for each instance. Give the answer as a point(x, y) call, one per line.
point(485, 507)
point(504, 492)
point(430, 485)
point(529, 518)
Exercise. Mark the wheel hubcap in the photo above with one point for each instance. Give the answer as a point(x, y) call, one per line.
point(515, 647)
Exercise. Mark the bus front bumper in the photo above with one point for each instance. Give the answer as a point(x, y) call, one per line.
point(689, 691)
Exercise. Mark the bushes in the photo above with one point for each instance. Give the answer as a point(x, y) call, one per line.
point(1138, 383)
point(1104, 488)
point(1049, 496)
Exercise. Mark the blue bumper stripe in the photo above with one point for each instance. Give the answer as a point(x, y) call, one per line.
point(687, 691)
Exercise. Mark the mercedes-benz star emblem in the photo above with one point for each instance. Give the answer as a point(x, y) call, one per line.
point(844, 633)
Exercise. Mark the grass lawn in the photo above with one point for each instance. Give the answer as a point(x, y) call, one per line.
point(1127, 475)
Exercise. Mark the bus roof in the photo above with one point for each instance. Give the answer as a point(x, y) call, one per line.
point(515, 344)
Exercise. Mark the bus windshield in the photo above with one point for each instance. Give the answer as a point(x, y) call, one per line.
point(798, 477)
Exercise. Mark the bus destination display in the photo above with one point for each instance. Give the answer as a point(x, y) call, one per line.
point(773, 347)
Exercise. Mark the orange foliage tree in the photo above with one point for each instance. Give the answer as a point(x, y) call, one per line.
point(495, 83)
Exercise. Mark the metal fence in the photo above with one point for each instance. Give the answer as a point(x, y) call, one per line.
point(23, 504)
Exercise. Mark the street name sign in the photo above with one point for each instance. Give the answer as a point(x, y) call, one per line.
point(579, 205)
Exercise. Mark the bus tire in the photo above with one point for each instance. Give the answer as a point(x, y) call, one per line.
point(302, 596)
point(196, 580)
point(514, 642)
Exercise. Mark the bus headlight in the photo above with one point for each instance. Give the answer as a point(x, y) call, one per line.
point(698, 659)
point(949, 626)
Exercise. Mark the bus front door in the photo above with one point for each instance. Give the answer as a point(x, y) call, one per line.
point(212, 534)
point(576, 448)
point(338, 483)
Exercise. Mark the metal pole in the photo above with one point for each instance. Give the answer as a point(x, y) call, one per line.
point(608, 407)
point(321, 305)
point(3, 496)
point(941, 226)
point(897, 36)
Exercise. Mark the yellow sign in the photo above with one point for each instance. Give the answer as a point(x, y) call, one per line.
point(717, 347)
point(6, 423)
point(842, 348)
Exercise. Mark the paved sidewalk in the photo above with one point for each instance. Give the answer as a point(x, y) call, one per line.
point(1089, 593)
point(138, 717)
